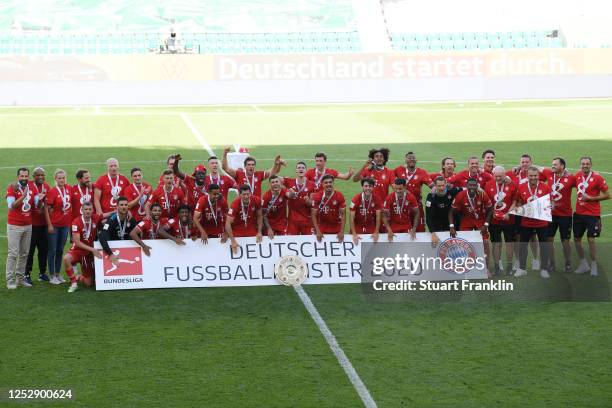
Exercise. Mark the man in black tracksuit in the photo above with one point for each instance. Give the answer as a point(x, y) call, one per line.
point(437, 205)
point(117, 227)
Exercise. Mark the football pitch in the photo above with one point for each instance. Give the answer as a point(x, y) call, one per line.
point(259, 346)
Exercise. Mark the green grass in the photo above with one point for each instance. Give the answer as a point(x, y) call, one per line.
point(258, 346)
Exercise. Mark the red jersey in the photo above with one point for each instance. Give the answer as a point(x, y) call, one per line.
point(87, 231)
point(414, 180)
point(330, 210)
point(177, 230)
point(111, 188)
point(254, 181)
point(400, 210)
point(560, 192)
point(169, 201)
point(315, 176)
point(299, 210)
point(194, 192)
point(79, 196)
point(525, 195)
point(21, 215)
point(224, 182)
point(473, 211)
point(149, 229)
point(132, 192)
point(176, 182)
point(213, 215)
point(365, 212)
point(460, 179)
point(384, 178)
point(592, 186)
point(59, 203)
point(38, 214)
point(245, 216)
point(502, 196)
point(275, 210)
point(521, 178)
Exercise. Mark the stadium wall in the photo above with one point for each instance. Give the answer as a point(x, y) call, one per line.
point(310, 78)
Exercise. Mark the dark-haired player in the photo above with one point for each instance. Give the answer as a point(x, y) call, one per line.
point(437, 206)
point(448, 169)
point(210, 213)
point(149, 228)
point(224, 182)
point(328, 212)
point(365, 212)
point(167, 195)
point(316, 174)
point(401, 214)
point(375, 168)
point(84, 231)
point(299, 190)
point(181, 227)
point(244, 218)
point(473, 171)
point(117, 228)
point(195, 183)
point(415, 178)
point(249, 175)
point(137, 194)
point(488, 161)
point(82, 192)
point(474, 206)
point(274, 207)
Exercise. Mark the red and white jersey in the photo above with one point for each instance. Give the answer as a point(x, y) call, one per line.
point(38, 213)
point(400, 208)
point(169, 201)
point(176, 182)
point(330, 208)
point(560, 192)
point(592, 186)
point(245, 216)
point(316, 176)
point(521, 178)
point(88, 231)
point(275, 209)
point(254, 181)
point(59, 203)
point(79, 196)
point(472, 210)
point(224, 182)
point(365, 210)
point(150, 229)
point(414, 180)
point(21, 215)
point(213, 214)
point(384, 178)
point(111, 188)
point(194, 191)
point(299, 210)
point(181, 231)
point(132, 192)
point(527, 194)
point(460, 179)
point(502, 196)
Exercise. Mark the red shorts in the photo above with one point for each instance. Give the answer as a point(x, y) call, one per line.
point(470, 224)
point(86, 259)
point(330, 229)
point(399, 229)
point(245, 233)
point(299, 228)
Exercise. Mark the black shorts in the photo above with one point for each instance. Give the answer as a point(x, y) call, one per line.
point(509, 230)
point(517, 224)
point(589, 223)
point(564, 224)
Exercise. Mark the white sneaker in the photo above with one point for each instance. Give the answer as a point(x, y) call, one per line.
point(11, 286)
point(54, 280)
point(520, 272)
point(535, 264)
point(73, 287)
point(25, 284)
point(60, 279)
point(515, 265)
point(594, 268)
point(501, 265)
point(583, 267)
point(544, 274)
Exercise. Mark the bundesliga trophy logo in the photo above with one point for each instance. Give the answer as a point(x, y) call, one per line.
point(291, 270)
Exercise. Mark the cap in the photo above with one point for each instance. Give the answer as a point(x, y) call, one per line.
point(199, 168)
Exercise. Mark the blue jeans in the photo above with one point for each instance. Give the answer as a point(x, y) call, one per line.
point(56, 242)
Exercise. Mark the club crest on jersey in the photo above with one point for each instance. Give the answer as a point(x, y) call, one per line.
point(334, 202)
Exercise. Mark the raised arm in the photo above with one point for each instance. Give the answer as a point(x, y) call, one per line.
point(347, 175)
point(226, 168)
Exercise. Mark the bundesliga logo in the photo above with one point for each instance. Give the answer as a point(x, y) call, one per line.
point(129, 262)
point(455, 254)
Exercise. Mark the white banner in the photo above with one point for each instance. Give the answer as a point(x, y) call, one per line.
point(539, 209)
point(213, 265)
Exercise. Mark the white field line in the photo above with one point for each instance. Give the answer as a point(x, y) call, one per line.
point(345, 363)
point(197, 134)
point(424, 102)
